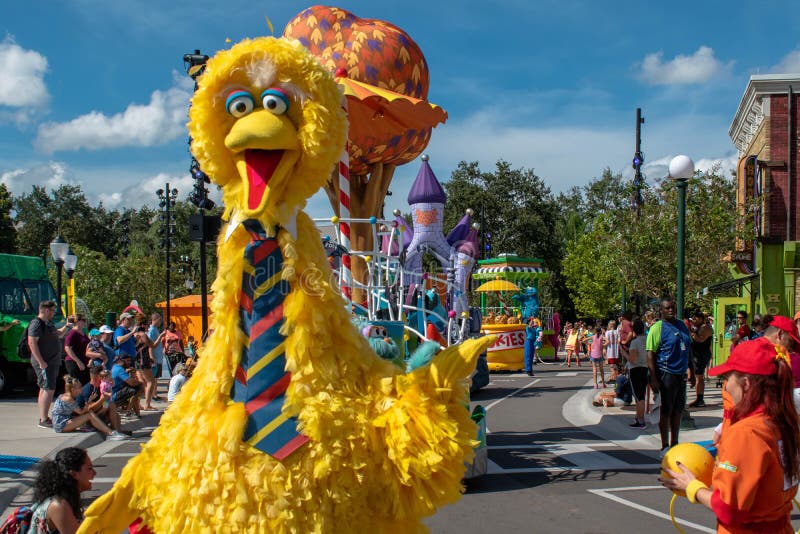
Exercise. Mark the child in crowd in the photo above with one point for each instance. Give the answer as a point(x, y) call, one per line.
point(95, 351)
point(597, 356)
point(106, 384)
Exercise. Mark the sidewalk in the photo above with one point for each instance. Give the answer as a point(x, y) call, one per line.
point(611, 423)
point(22, 437)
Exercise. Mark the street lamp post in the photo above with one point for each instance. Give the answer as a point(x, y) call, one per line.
point(167, 198)
point(681, 168)
point(70, 262)
point(195, 65)
point(59, 249)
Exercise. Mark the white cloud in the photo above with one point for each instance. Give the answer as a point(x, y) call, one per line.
point(158, 122)
point(700, 67)
point(50, 175)
point(22, 79)
point(789, 64)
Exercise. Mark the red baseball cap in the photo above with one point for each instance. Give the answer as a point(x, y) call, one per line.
point(756, 357)
point(787, 325)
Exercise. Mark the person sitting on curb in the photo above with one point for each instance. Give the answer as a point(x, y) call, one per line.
point(68, 417)
point(127, 388)
point(97, 402)
point(177, 381)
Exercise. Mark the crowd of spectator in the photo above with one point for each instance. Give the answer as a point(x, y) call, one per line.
point(109, 371)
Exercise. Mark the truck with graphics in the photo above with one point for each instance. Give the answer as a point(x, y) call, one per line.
point(23, 285)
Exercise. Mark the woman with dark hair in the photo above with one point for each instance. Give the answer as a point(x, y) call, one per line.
point(758, 464)
point(57, 492)
point(145, 359)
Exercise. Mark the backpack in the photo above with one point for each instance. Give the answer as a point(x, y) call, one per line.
point(23, 349)
point(18, 522)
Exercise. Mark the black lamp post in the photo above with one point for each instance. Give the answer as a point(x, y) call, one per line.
point(59, 249)
point(681, 168)
point(195, 65)
point(70, 262)
point(167, 200)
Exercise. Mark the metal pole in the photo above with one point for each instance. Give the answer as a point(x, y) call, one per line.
point(167, 238)
point(59, 264)
point(638, 160)
point(682, 183)
point(203, 296)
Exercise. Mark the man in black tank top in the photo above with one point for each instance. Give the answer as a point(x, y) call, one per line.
point(702, 336)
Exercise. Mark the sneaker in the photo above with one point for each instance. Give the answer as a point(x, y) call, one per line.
point(117, 436)
point(699, 403)
point(47, 423)
point(637, 424)
point(663, 453)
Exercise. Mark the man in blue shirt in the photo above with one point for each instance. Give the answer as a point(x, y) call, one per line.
point(126, 389)
point(123, 336)
point(668, 345)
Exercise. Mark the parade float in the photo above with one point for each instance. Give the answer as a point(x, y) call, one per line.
point(509, 297)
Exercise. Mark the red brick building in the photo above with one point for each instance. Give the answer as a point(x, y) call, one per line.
point(764, 131)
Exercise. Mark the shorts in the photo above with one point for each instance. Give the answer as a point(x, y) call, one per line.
point(613, 361)
point(596, 360)
point(639, 377)
point(673, 392)
point(701, 362)
point(46, 379)
point(124, 394)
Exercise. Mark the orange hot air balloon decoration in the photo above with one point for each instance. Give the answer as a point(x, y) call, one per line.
point(385, 79)
point(386, 83)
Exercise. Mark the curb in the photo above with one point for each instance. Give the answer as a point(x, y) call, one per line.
point(611, 423)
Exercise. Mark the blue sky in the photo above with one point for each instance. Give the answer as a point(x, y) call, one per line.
point(93, 92)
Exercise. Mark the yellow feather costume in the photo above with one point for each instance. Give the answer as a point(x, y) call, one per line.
point(385, 448)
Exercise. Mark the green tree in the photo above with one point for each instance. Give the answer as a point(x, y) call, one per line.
point(641, 252)
point(41, 215)
point(8, 234)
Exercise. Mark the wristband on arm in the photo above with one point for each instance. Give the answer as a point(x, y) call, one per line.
point(692, 489)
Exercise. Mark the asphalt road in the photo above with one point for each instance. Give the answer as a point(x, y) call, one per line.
point(544, 475)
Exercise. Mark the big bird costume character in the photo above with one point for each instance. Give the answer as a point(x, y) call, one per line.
point(290, 423)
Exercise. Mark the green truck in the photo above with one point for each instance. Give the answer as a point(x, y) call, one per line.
point(23, 284)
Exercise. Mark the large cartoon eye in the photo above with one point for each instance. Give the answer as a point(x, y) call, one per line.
point(275, 101)
point(240, 103)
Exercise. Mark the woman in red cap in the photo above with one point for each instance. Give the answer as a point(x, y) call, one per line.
point(757, 466)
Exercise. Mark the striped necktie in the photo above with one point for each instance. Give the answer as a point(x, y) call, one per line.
point(262, 378)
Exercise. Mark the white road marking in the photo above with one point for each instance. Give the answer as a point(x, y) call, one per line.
point(494, 469)
point(555, 447)
point(608, 495)
point(120, 454)
point(567, 373)
point(498, 401)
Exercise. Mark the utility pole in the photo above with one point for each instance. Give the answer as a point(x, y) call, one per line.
point(195, 65)
point(638, 161)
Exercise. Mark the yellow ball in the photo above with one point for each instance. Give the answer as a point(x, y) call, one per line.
point(334, 220)
point(694, 457)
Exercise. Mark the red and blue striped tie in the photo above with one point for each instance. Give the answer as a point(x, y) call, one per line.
point(262, 378)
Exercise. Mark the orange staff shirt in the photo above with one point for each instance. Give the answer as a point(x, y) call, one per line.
point(750, 493)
